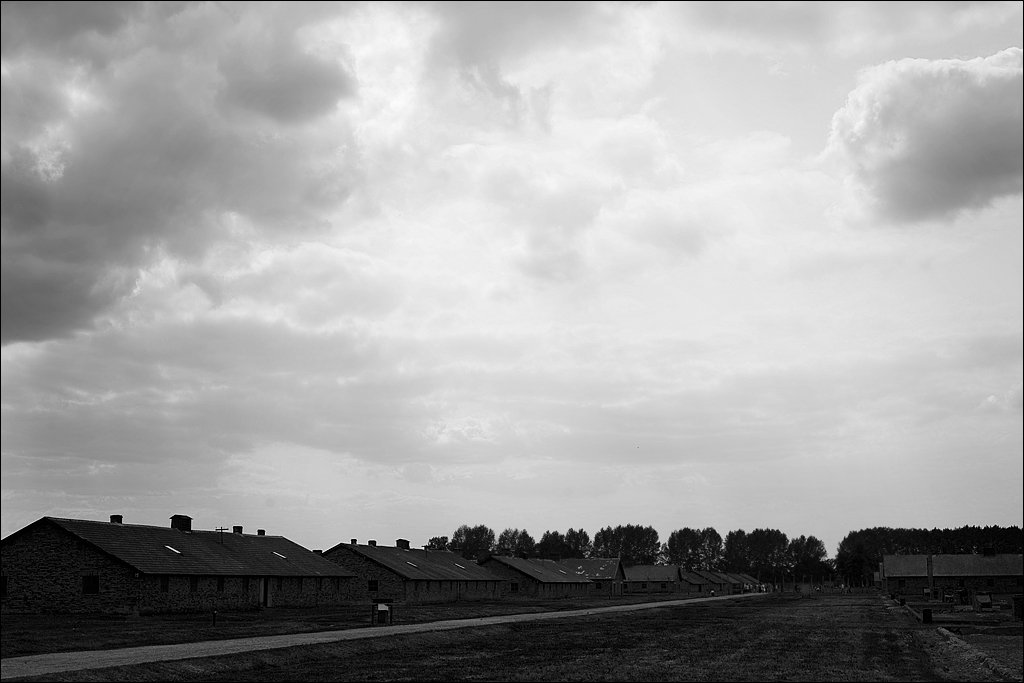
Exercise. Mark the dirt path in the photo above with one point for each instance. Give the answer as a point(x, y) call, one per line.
point(41, 665)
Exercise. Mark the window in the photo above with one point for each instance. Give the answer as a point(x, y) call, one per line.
point(643, 586)
point(960, 583)
point(245, 585)
point(372, 585)
point(514, 587)
point(664, 585)
point(319, 583)
point(990, 582)
point(91, 584)
point(597, 585)
point(280, 583)
point(193, 584)
point(165, 584)
point(335, 583)
point(220, 584)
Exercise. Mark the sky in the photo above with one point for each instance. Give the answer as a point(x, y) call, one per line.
point(380, 270)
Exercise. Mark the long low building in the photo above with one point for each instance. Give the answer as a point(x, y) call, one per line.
point(947, 576)
point(534, 578)
point(404, 575)
point(74, 565)
point(606, 573)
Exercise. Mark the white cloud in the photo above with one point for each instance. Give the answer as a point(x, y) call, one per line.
point(928, 138)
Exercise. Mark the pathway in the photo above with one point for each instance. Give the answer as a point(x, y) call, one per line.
point(41, 665)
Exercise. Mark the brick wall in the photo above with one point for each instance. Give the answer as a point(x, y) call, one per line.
point(394, 587)
point(44, 567)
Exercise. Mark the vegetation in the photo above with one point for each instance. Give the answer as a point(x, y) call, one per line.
point(836, 638)
point(861, 551)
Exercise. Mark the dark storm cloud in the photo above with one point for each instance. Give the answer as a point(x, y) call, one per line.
point(106, 168)
point(926, 139)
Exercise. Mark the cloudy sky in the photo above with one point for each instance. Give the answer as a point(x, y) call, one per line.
point(379, 270)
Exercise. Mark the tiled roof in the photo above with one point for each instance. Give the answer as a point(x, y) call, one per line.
point(163, 550)
point(905, 565)
point(419, 564)
point(595, 568)
point(953, 565)
point(652, 572)
point(544, 571)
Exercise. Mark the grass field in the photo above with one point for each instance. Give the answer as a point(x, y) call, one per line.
point(839, 638)
point(38, 634)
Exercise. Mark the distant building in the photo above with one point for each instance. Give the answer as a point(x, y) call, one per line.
point(715, 582)
point(652, 578)
point(534, 578)
point(405, 575)
point(74, 565)
point(606, 573)
point(950, 576)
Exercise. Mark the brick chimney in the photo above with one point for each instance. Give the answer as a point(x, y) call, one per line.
point(261, 532)
point(236, 529)
point(355, 541)
point(116, 519)
point(318, 552)
point(373, 543)
point(402, 543)
point(181, 522)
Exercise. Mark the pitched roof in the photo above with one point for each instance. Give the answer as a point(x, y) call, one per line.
point(652, 572)
point(594, 568)
point(736, 578)
point(694, 578)
point(163, 550)
point(544, 571)
point(710, 577)
point(978, 565)
point(905, 565)
point(420, 564)
point(953, 565)
point(748, 578)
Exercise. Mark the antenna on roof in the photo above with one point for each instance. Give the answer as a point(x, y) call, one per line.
point(221, 529)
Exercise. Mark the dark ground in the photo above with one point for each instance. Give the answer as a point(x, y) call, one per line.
point(832, 638)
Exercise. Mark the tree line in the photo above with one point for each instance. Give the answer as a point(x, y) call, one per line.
point(860, 552)
point(767, 554)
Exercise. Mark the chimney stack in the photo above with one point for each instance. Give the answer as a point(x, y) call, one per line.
point(318, 552)
point(181, 522)
point(116, 519)
point(355, 541)
point(402, 543)
point(373, 543)
point(236, 529)
point(261, 532)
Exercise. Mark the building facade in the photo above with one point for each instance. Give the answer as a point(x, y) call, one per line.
point(534, 578)
point(68, 565)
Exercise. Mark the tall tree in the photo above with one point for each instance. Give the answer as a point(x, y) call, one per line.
point(633, 543)
point(438, 543)
point(472, 541)
point(737, 552)
point(515, 543)
point(683, 548)
point(807, 556)
point(768, 553)
point(578, 543)
point(552, 543)
point(710, 549)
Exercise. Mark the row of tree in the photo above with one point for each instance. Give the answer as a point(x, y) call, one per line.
point(765, 553)
point(861, 551)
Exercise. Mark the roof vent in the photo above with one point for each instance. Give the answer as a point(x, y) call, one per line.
point(373, 543)
point(261, 532)
point(116, 519)
point(181, 522)
point(402, 543)
point(236, 529)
